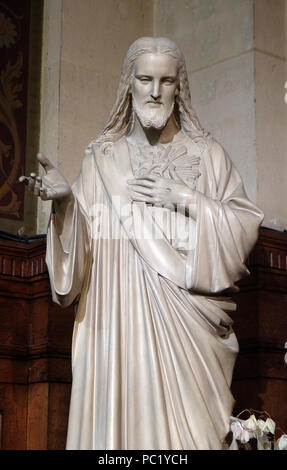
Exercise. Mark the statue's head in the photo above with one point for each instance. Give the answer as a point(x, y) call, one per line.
point(148, 63)
point(154, 87)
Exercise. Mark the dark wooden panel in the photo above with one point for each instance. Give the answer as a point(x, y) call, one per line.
point(35, 351)
point(260, 323)
point(37, 416)
point(13, 405)
point(59, 398)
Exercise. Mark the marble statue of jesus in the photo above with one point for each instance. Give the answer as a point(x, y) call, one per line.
point(148, 244)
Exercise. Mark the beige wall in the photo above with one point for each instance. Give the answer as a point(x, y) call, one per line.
point(271, 110)
point(95, 38)
point(236, 58)
point(50, 124)
point(216, 37)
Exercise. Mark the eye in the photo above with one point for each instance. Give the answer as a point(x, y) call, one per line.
point(169, 81)
point(143, 78)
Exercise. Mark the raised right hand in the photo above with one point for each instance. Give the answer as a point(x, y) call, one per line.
point(52, 186)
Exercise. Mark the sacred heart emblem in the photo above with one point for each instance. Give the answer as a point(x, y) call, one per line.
point(186, 169)
point(172, 162)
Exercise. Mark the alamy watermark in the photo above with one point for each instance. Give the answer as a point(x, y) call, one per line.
point(138, 220)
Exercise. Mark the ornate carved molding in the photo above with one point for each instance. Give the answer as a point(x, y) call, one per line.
point(22, 260)
point(270, 250)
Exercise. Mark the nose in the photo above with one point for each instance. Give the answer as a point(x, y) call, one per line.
point(155, 92)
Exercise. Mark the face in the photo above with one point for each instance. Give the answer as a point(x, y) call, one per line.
point(154, 87)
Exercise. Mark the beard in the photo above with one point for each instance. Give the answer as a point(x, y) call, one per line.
point(156, 117)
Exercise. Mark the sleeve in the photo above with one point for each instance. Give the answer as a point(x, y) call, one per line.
point(227, 229)
point(68, 256)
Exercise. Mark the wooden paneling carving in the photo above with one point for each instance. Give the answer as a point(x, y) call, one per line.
point(14, 54)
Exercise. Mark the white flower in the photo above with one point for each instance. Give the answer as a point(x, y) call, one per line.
point(251, 423)
point(7, 31)
point(270, 425)
point(281, 443)
point(266, 426)
point(240, 431)
point(237, 429)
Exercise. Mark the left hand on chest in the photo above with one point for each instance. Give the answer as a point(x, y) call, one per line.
point(160, 191)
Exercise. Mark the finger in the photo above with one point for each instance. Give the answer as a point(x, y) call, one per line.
point(32, 180)
point(141, 190)
point(144, 178)
point(37, 186)
point(140, 198)
point(24, 179)
point(45, 162)
point(146, 182)
point(142, 185)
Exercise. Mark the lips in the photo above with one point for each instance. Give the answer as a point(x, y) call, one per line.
point(154, 102)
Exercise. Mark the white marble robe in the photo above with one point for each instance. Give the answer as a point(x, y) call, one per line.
point(153, 346)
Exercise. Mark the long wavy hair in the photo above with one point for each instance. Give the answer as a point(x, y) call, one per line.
point(121, 119)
